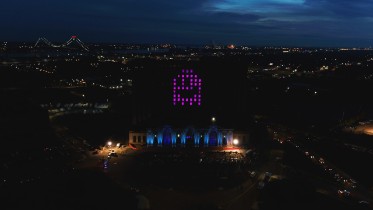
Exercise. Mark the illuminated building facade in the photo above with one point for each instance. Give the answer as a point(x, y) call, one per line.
point(188, 137)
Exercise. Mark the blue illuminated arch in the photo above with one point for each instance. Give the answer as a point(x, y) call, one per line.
point(185, 133)
point(160, 137)
point(149, 137)
point(206, 139)
point(196, 138)
point(168, 135)
point(215, 138)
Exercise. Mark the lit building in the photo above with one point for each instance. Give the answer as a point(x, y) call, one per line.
point(188, 137)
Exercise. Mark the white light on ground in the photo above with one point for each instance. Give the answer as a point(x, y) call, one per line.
point(118, 144)
point(235, 141)
point(109, 143)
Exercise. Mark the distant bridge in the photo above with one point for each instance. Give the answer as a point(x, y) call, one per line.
point(73, 39)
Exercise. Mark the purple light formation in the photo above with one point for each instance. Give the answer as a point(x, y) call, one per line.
point(187, 88)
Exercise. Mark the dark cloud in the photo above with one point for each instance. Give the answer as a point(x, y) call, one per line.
point(280, 22)
point(232, 17)
point(342, 8)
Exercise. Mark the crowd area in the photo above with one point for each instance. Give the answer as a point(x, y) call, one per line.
point(192, 168)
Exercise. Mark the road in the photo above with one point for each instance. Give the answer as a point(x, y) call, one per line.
point(327, 184)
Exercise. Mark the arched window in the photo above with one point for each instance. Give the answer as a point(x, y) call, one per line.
point(167, 136)
point(189, 136)
point(213, 138)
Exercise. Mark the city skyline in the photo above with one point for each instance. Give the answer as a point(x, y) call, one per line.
point(186, 104)
point(258, 23)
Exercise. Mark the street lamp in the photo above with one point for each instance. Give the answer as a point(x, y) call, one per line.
point(213, 119)
point(109, 143)
point(235, 142)
point(118, 144)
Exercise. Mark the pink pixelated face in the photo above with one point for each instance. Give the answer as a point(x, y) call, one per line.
point(187, 88)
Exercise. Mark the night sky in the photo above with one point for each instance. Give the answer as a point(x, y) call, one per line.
point(318, 23)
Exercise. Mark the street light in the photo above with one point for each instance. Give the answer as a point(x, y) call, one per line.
point(235, 141)
point(109, 143)
point(213, 119)
point(118, 144)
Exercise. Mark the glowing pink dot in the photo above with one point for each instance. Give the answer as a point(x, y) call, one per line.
point(182, 103)
point(178, 75)
point(182, 87)
point(195, 84)
point(175, 83)
point(191, 104)
point(199, 96)
point(187, 88)
point(182, 75)
point(187, 99)
point(178, 88)
point(195, 80)
point(199, 104)
point(178, 99)
point(191, 88)
point(200, 80)
point(182, 70)
point(182, 99)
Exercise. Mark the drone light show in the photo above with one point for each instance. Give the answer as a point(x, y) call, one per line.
point(187, 87)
